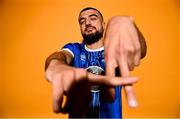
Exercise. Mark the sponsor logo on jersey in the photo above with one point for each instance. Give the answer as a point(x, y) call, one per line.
point(83, 57)
point(95, 70)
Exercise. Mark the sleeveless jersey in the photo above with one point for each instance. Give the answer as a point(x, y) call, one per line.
point(93, 61)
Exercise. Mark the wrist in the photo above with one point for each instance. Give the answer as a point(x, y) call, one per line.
point(54, 67)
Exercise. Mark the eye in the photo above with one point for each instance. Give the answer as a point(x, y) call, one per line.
point(93, 18)
point(81, 21)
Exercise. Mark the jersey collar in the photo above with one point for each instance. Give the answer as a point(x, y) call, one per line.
point(93, 50)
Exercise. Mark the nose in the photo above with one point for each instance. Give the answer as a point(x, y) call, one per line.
point(88, 22)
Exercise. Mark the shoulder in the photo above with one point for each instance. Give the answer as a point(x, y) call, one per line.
point(73, 45)
point(73, 48)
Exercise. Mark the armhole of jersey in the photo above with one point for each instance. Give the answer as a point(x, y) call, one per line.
point(68, 50)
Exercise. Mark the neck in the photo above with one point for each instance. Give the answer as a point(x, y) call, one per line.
point(96, 45)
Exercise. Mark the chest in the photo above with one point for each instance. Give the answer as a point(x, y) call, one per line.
point(86, 59)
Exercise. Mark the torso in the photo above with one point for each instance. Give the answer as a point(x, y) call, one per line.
point(93, 61)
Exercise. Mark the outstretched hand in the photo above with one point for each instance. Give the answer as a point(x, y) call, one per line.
point(75, 84)
point(122, 49)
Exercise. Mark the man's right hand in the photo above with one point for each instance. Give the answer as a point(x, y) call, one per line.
point(75, 84)
point(71, 82)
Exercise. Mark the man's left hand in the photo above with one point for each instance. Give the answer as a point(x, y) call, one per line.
point(122, 49)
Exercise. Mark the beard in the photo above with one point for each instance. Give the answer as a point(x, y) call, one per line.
point(92, 38)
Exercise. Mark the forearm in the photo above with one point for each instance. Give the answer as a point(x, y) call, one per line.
point(142, 42)
point(60, 57)
point(54, 61)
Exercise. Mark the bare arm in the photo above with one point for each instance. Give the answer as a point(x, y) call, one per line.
point(56, 59)
point(63, 57)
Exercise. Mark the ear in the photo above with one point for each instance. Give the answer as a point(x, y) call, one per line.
point(104, 25)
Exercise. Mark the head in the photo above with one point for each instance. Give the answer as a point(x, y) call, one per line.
point(91, 25)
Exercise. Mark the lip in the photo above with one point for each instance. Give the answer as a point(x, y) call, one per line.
point(89, 28)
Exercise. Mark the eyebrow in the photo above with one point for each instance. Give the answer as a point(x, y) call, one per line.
point(93, 15)
point(88, 16)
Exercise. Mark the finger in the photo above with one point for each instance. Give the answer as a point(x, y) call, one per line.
point(133, 33)
point(137, 58)
point(130, 60)
point(136, 40)
point(130, 94)
point(123, 65)
point(111, 63)
point(57, 95)
point(110, 67)
point(94, 79)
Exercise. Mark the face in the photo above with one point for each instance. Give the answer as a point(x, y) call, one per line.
point(91, 25)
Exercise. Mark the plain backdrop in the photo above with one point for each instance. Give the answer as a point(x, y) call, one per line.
point(33, 29)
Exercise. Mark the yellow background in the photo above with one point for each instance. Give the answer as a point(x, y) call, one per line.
point(32, 29)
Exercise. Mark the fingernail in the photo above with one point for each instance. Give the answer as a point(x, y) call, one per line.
point(133, 104)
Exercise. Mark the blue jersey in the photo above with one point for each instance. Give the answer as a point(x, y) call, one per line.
point(93, 61)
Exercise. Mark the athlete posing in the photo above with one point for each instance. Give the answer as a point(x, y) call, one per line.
point(86, 72)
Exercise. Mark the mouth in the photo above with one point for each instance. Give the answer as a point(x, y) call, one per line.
point(90, 28)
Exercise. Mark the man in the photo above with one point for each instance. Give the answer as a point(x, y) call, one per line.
point(76, 71)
